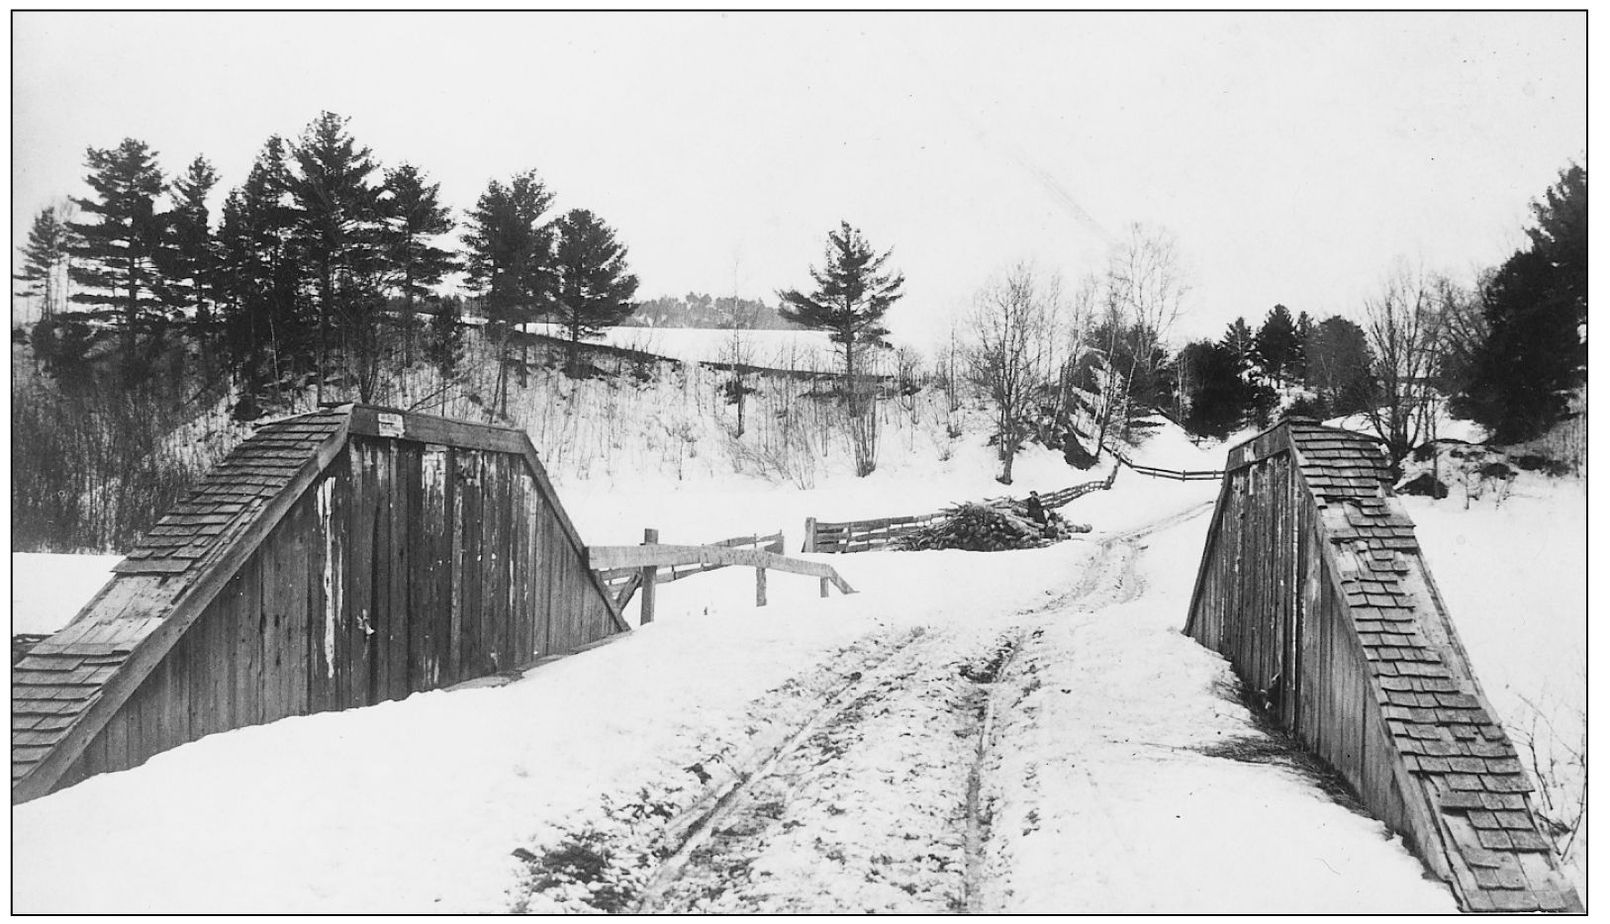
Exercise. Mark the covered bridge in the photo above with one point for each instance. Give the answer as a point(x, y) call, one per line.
point(336, 559)
point(1313, 586)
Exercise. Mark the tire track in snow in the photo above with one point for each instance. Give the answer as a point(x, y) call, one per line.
point(698, 826)
point(1109, 579)
point(768, 836)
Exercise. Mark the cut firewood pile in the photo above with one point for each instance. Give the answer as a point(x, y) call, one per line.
point(990, 528)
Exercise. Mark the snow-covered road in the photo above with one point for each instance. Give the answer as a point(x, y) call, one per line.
point(813, 756)
point(1074, 755)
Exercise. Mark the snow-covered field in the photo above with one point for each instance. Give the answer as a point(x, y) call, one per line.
point(805, 350)
point(1110, 776)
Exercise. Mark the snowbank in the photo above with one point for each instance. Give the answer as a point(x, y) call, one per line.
point(48, 590)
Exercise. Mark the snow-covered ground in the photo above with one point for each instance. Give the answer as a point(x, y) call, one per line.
point(1110, 778)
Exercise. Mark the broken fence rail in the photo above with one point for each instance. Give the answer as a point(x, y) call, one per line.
point(624, 582)
point(625, 569)
point(867, 535)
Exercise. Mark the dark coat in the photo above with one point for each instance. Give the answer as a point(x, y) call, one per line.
point(1036, 510)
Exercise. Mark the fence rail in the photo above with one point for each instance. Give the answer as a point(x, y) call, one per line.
point(1154, 472)
point(626, 569)
point(623, 583)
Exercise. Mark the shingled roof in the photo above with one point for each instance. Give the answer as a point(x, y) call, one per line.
point(1435, 711)
point(258, 469)
point(68, 677)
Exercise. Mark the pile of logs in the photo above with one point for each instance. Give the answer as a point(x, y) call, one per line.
point(989, 528)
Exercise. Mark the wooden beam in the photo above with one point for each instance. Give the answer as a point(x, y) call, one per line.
point(650, 538)
point(624, 556)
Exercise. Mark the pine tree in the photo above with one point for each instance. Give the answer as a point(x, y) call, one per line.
point(1221, 399)
point(508, 262)
point(269, 331)
point(337, 229)
point(414, 218)
point(1298, 367)
point(1242, 343)
point(1536, 311)
point(1528, 363)
point(1276, 345)
point(1339, 363)
point(116, 255)
point(191, 258)
point(592, 289)
point(44, 262)
point(851, 297)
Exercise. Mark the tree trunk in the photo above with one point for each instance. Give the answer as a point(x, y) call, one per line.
point(326, 286)
point(408, 316)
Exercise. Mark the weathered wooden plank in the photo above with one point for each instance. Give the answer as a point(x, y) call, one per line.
point(434, 609)
point(324, 588)
point(455, 631)
point(359, 595)
point(660, 555)
point(472, 653)
point(404, 482)
point(424, 428)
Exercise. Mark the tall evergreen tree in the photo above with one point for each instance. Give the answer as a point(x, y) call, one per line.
point(1536, 311)
point(191, 259)
point(1527, 365)
point(508, 257)
point(1298, 368)
point(1276, 346)
point(337, 230)
point(44, 262)
point(592, 288)
point(1241, 342)
point(414, 218)
point(115, 255)
point(851, 297)
point(270, 331)
point(1220, 398)
point(1339, 362)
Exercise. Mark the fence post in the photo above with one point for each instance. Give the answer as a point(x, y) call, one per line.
point(650, 537)
point(810, 534)
point(760, 586)
point(824, 588)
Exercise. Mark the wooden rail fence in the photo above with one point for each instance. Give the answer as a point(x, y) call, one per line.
point(626, 569)
point(880, 533)
point(1154, 472)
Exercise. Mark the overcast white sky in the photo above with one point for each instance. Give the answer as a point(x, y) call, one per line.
point(1293, 155)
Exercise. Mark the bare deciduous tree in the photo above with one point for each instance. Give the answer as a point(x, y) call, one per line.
point(1402, 321)
point(1146, 289)
point(1014, 359)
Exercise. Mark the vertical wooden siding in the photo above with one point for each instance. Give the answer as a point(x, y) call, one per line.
point(1268, 601)
point(407, 567)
